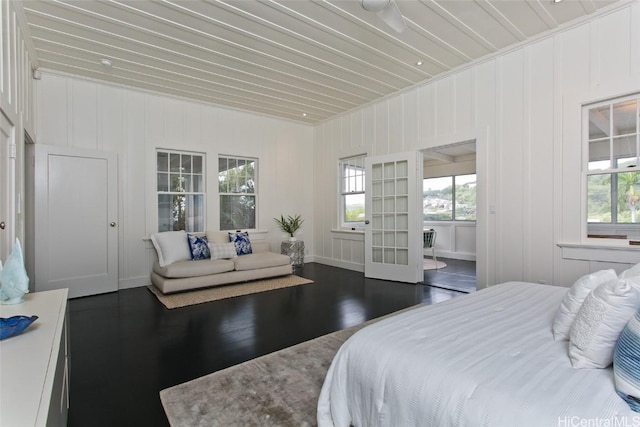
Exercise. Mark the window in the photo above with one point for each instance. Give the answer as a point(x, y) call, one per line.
point(612, 170)
point(237, 184)
point(352, 191)
point(449, 198)
point(181, 192)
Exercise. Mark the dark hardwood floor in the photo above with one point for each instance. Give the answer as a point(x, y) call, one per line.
point(126, 346)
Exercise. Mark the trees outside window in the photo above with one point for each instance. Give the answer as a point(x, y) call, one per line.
point(612, 169)
point(237, 187)
point(180, 189)
point(352, 191)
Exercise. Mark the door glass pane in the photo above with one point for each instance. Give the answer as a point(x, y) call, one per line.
point(389, 238)
point(402, 169)
point(389, 255)
point(389, 170)
point(402, 257)
point(376, 171)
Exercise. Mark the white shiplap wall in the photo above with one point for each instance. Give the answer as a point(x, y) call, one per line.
point(92, 115)
point(524, 109)
point(17, 106)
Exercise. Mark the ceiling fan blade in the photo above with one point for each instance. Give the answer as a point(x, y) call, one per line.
point(392, 16)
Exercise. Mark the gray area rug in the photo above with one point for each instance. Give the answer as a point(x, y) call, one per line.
point(279, 389)
point(199, 296)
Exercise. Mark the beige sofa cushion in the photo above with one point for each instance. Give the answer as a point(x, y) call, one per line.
point(260, 260)
point(203, 267)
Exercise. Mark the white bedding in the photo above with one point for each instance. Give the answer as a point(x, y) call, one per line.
point(486, 359)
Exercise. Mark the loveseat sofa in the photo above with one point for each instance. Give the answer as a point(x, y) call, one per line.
point(184, 262)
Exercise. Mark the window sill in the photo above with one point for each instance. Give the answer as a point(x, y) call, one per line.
point(612, 250)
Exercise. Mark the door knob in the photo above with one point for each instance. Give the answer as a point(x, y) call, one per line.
point(113, 224)
point(2, 225)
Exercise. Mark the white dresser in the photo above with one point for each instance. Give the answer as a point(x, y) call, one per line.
point(34, 377)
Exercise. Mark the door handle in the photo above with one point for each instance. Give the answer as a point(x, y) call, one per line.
point(366, 221)
point(2, 225)
point(113, 224)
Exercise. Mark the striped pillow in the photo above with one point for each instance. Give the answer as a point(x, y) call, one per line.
point(222, 250)
point(626, 363)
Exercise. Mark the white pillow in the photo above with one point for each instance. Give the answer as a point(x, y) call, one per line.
point(602, 317)
point(631, 272)
point(218, 236)
point(222, 250)
point(171, 246)
point(572, 301)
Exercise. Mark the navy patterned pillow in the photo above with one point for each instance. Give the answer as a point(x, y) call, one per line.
point(199, 247)
point(242, 242)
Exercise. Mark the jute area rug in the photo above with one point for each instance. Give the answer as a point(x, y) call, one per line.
point(430, 264)
point(279, 389)
point(183, 299)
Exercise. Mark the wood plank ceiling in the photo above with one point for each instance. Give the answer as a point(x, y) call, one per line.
point(299, 60)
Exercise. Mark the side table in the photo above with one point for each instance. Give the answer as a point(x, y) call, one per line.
point(295, 251)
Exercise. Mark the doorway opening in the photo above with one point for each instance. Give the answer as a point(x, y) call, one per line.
point(449, 206)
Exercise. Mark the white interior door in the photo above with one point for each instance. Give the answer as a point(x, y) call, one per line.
point(75, 220)
point(7, 182)
point(393, 205)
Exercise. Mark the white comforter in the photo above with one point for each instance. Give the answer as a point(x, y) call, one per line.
point(486, 359)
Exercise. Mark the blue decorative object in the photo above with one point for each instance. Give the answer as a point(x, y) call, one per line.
point(14, 325)
point(199, 247)
point(14, 282)
point(242, 242)
point(626, 364)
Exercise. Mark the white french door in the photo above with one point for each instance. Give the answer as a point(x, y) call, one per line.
point(393, 205)
point(75, 220)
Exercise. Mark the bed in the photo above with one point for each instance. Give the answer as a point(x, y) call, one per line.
point(484, 359)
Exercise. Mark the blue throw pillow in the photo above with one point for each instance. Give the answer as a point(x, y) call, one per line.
point(242, 242)
point(199, 247)
point(626, 363)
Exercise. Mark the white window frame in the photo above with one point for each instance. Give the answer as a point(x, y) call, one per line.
point(254, 194)
point(351, 183)
point(190, 226)
point(615, 228)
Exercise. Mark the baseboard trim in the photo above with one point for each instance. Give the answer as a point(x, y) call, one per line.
point(340, 264)
point(134, 282)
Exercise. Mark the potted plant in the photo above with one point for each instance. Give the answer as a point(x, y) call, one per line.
point(290, 224)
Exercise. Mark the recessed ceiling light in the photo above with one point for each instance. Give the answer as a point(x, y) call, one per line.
point(304, 114)
point(556, 1)
point(105, 62)
point(419, 63)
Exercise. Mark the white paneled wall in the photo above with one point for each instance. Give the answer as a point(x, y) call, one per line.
point(87, 114)
point(524, 109)
point(17, 107)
